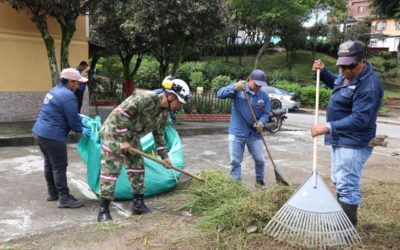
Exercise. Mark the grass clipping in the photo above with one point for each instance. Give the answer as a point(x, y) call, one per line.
point(226, 204)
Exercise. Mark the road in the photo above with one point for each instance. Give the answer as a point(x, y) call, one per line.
point(24, 211)
point(307, 120)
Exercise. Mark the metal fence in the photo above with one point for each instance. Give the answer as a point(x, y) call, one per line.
point(208, 104)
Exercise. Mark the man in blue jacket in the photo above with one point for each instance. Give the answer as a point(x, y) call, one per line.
point(351, 121)
point(243, 130)
point(59, 115)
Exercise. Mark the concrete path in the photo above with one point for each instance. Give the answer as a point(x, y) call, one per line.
point(24, 210)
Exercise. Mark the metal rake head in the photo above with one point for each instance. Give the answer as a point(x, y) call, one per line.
point(312, 217)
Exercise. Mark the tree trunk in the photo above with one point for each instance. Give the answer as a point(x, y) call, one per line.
point(41, 25)
point(67, 32)
point(178, 55)
point(398, 50)
point(127, 76)
point(260, 52)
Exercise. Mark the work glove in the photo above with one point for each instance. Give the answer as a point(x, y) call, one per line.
point(85, 132)
point(259, 126)
point(240, 85)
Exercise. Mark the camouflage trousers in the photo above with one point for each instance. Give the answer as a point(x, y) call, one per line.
point(111, 165)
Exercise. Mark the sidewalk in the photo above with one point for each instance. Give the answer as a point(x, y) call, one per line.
point(392, 117)
point(19, 133)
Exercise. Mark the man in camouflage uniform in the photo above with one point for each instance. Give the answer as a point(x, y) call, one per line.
point(138, 115)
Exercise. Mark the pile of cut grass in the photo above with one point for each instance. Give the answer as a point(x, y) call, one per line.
point(226, 204)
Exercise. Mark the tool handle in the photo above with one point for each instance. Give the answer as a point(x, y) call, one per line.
point(315, 122)
point(136, 151)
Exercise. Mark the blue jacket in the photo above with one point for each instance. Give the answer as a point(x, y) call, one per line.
point(353, 108)
point(242, 122)
point(58, 115)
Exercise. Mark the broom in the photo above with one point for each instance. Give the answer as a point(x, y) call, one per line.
point(312, 217)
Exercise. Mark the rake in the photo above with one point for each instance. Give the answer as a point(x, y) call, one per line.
point(312, 217)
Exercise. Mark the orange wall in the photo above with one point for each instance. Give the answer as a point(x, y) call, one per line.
point(24, 63)
point(390, 27)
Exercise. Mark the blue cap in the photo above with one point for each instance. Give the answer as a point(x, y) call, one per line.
point(259, 77)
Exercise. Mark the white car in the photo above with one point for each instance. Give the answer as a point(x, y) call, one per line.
point(288, 100)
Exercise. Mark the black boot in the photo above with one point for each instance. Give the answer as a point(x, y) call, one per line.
point(52, 196)
point(104, 214)
point(350, 211)
point(260, 183)
point(138, 206)
point(69, 201)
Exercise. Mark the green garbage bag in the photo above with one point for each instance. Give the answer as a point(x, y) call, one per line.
point(157, 179)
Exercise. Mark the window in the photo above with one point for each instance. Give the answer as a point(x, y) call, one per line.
point(381, 25)
point(360, 9)
point(397, 24)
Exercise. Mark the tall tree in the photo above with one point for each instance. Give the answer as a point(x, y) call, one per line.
point(66, 14)
point(113, 25)
point(38, 13)
point(170, 25)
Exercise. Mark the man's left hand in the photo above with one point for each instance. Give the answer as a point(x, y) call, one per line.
point(319, 129)
point(168, 163)
point(259, 126)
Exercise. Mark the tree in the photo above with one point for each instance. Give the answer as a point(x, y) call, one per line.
point(359, 31)
point(171, 25)
point(390, 9)
point(114, 26)
point(39, 15)
point(315, 32)
point(66, 13)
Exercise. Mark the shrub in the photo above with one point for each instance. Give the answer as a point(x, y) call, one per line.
point(147, 75)
point(185, 70)
point(197, 79)
point(110, 67)
point(385, 55)
point(307, 93)
point(220, 81)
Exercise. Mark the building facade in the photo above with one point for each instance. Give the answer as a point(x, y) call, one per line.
point(25, 74)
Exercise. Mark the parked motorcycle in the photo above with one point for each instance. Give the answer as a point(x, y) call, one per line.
point(276, 118)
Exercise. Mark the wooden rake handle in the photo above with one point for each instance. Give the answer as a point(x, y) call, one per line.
point(136, 151)
point(255, 120)
point(315, 122)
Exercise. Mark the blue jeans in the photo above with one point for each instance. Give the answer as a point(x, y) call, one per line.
point(236, 149)
point(347, 166)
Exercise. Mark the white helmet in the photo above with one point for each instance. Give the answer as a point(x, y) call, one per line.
point(177, 87)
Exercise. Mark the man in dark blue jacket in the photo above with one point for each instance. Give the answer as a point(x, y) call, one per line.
point(59, 115)
point(351, 121)
point(243, 130)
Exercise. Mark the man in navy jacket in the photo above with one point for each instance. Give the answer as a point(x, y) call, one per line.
point(351, 121)
point(57, 117)
point(243, 130)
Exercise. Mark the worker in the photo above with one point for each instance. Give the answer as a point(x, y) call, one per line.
point(138, 115)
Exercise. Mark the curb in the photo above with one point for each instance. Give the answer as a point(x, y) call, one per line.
point(28, 140)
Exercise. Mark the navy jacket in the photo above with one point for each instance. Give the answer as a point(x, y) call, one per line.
point(58, 115)
point(353, 108)
point(242, 122)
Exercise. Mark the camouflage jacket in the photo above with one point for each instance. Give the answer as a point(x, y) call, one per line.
point(138, 115)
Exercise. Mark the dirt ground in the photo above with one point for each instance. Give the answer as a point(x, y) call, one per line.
point(168, 227)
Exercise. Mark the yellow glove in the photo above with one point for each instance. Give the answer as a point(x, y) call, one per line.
point(259, 126)
point(240, 85)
